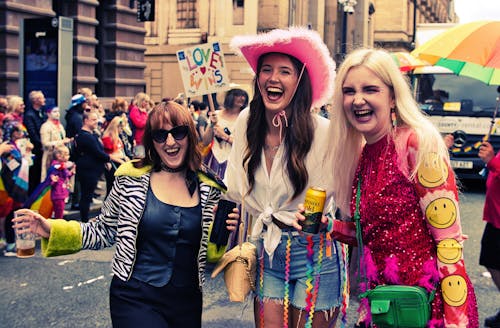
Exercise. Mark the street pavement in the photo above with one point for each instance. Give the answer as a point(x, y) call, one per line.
point(72, 291)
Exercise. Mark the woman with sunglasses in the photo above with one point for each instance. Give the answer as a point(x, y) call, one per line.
point(158, 214)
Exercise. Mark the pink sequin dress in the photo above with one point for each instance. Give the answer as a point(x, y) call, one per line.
point(399, 243)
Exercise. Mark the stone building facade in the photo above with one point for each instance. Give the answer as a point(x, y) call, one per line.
point(384, 23)
point(115, 55)
point(108, 44)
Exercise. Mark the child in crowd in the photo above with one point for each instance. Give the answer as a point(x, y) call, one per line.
point(60, 172)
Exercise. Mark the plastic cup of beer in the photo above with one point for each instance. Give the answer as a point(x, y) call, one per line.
point(25, 242)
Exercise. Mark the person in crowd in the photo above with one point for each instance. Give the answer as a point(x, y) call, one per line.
point(113, 145)
point(4, 105)
point(199, 116)
point(74, 115)
point(86, 92)
point(138, 112)
point(52, 135)
point(96, 106)
point(15, 175)
point(119, 107)
point(60, 172)
point(160, 232)
point(325, 111)
point(5, 200)
point(90, 160)
point(221, 128)
point(384, 149)
point(217, 140)
point(15, 109)
point(74, 122)
point(34, 117)
point(490, 243)
point(278, 148)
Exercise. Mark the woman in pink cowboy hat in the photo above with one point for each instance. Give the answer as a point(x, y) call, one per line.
point(278, 153)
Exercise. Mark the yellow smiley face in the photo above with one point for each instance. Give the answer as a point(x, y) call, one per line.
point(441, 213)
point(449, 251)
point(454, 290)
point(432, 172)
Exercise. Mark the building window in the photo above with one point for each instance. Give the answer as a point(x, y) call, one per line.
point(187, 16)
point(238, 12)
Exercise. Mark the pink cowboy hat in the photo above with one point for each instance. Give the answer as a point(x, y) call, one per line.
point(304, 44)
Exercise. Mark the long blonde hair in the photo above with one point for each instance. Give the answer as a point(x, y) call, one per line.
point(113, 129)
point(347, 142)
point(14, 102)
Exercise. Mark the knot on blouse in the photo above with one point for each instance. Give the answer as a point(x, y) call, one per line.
point(272, 236)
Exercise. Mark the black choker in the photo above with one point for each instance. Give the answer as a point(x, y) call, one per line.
point(165, 168)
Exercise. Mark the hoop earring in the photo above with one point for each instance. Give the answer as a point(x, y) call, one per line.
point(394, 117)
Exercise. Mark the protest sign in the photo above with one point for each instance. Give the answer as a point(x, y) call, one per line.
point(203, 69)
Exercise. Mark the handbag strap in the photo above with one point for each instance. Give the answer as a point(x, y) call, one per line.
point(241, 231)
point(359, 238)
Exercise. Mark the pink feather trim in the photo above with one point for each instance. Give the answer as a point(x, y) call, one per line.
point(430, 276)
point(371, 268)
point(391, 270)
point(435, 323)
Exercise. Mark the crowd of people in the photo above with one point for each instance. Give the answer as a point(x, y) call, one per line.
point(377, 157)
point(38, 149)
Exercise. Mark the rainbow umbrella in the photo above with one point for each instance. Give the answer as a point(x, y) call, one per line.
point(471, 49)
point(406, 62)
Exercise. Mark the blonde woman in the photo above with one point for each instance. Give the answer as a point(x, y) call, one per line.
point(392, 167)
point(113, 146)
point(119, 107)
point(15, 109)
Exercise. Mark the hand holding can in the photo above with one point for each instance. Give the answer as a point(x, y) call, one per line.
point(314, 203)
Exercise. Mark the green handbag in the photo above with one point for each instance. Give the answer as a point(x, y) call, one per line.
point(399, 306)
point(394, 305)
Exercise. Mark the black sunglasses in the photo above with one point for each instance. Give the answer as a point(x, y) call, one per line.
point(179, 133)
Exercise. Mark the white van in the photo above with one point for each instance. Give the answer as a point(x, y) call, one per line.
point(462, 106)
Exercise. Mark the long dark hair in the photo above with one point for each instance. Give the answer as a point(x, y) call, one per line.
point(175, 114)
point(298, 136)
point(231, 94)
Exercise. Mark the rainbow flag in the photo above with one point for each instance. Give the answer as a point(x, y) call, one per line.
point(6, 202)
point(40, 200)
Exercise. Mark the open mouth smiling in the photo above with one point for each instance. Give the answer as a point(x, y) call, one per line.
point(274, 93)
point(362, 113)
point(172, 151)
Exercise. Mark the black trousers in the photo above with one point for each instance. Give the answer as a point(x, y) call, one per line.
point(138, 304)
point(88, 183)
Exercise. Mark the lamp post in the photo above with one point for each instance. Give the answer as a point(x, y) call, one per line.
point(348, 6)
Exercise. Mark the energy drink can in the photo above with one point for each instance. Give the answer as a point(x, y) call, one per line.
point(313, 203)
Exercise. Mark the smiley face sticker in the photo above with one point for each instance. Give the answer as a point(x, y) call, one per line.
point(432, 172)
point(454, 290)
point(449, 251)
point(441, 212)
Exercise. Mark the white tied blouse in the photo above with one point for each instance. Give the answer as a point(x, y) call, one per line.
point(271, 194)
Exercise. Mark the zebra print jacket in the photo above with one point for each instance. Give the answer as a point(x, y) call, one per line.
point(119, 219)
